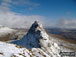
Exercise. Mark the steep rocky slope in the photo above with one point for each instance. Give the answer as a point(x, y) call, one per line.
point(37, 38)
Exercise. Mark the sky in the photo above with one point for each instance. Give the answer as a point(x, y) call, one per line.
point(51, 13)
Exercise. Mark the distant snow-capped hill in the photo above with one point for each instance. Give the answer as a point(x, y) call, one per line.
point(37, 38)
point(6, 33)
point(6, 30)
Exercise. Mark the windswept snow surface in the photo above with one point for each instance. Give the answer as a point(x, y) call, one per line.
point(11, 50)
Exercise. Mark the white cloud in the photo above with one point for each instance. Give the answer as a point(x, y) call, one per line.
point(4, 9)
point(5, 4)
point(21, 3)
point(7, 0)
point(25, 3)
point(67, 23)
point(16, 20)
point(12, 19)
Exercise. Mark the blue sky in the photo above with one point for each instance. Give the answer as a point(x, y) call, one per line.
point(52, 10)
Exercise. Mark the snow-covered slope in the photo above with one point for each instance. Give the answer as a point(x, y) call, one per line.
point(6, 32)
point(11, 50)
point(37, 38)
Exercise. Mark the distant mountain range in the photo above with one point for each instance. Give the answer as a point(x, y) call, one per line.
point(67, 33)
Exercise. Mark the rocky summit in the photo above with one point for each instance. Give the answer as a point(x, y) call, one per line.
point(37, 38)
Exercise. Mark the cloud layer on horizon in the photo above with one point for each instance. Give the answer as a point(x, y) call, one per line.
point(67, 23)
point(16, 20)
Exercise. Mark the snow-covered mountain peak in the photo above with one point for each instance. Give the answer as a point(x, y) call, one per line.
point(35, 26)
point(38, 30)
point(37, 34)
point(34, 37)
point(37, 38)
